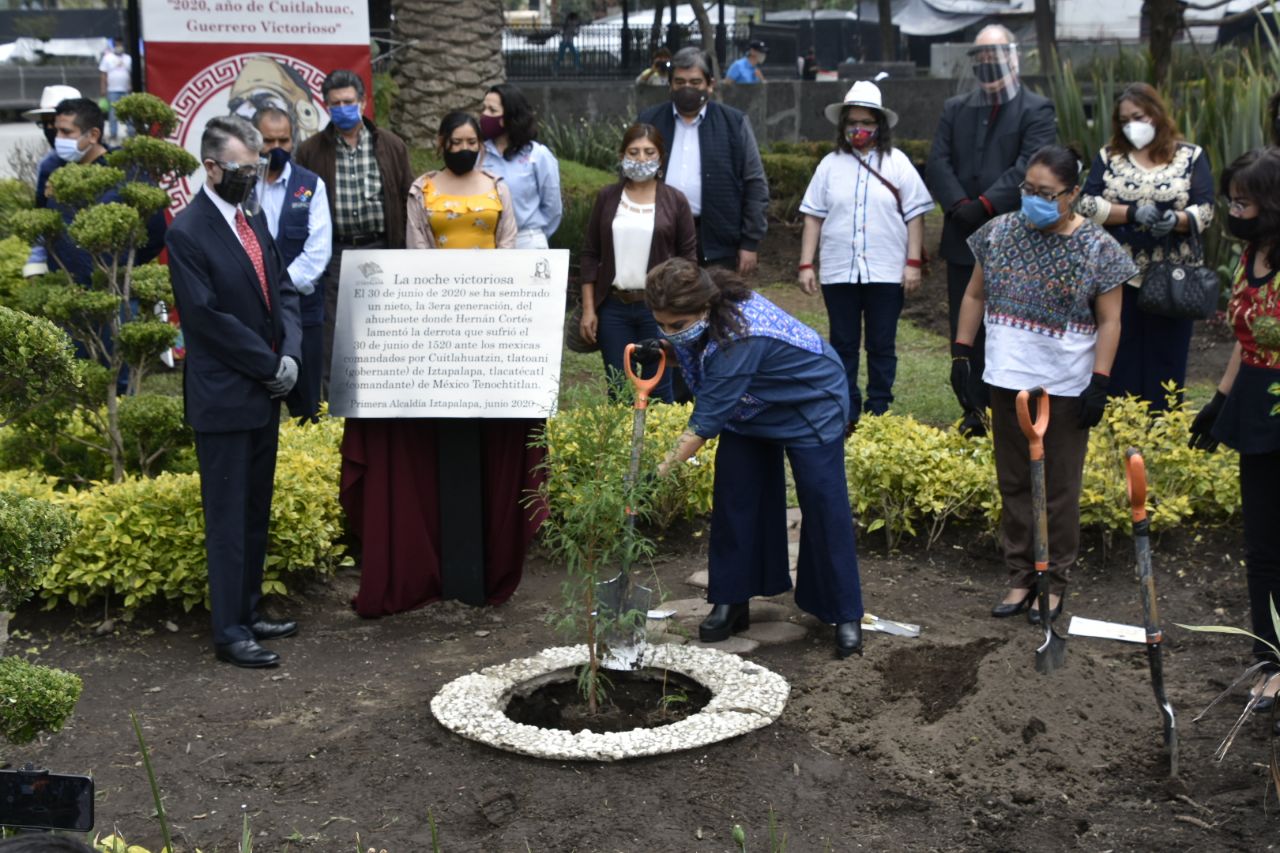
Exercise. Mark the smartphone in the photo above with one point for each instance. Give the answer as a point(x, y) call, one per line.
point(38, 799)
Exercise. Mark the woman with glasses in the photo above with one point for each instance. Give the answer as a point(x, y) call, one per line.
point(1154, 194)
point(864, 225)
point(389, 483)
point(1243, 414)
point(1047, 285)
point(635, 225)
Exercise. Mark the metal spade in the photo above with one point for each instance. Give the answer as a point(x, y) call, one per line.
point(1052, 654)
point(621, 603)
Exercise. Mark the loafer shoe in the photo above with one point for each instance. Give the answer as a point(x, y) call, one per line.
point(246, 653)
point(848, 639)
point(1004, 611)
point(723, 621)
point(265, 629)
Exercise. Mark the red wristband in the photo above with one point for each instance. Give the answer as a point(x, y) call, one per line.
point(804, 267)
point(991, 210)
point(914, 263)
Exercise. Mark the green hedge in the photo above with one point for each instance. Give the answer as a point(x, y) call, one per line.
point(34, 699)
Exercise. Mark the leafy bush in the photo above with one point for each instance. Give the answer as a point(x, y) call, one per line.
point(142, 539)
point(34, 699)
point(591, 143)
point(13, 256)
point(36, 361)
point(578, 188)
point(15, 195)
point(788, 176)
point(32, 532)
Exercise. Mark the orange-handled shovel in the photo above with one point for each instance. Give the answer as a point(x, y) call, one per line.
point(1052, 655)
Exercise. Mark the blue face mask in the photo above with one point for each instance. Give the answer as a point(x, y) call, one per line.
point(689, 334)
point(1041, 213)
point(345, 116)
point(68, 150)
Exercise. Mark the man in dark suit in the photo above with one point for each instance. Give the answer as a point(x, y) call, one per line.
point(978, 160)
point(244, 341)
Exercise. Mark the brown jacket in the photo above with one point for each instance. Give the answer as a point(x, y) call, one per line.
point(674, 235)
point(320, 155)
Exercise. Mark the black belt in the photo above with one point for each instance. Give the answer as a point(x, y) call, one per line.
point(361, 240)
point(628, 297)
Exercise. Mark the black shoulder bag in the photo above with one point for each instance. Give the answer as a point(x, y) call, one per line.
point(1180, 289)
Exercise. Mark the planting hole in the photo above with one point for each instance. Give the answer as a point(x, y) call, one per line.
point(635, 700)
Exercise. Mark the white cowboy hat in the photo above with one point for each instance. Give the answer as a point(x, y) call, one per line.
point(49, 100)
point(864, 93)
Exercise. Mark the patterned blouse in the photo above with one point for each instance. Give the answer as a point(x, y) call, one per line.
point(1185, 183)
point(462, 222)
point(1254, 312)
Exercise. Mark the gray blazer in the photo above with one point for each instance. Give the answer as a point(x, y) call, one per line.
point(973, 157)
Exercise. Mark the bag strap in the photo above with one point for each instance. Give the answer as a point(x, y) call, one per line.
point(897, 196)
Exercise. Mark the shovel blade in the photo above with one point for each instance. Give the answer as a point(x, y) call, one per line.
point(624, 607)
point(1051, 656)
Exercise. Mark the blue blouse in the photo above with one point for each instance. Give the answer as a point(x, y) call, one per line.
point(533, 176)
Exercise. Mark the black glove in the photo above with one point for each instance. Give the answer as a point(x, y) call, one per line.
point(1202, 427)
point(648, 351)
point(1094, 401)
point(969, 216)
point(962, 375)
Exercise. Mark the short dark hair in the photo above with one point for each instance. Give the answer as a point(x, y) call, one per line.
point(1273, 113)
point(639, 130)
point(1256, 176)
point(518, 119)
point(692, 57)
point(86, 114)
point(341, 78)
point(1062, 160)
point(454, 120)
point(271, 112)
point(884, 135)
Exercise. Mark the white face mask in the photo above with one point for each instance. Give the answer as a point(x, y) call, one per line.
point(1139, 134)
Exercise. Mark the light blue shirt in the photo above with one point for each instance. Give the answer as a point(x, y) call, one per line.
point(533, 176)
point(307, 268)
point(742, 71)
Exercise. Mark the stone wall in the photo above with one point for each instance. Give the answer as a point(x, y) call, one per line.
point(456, 58)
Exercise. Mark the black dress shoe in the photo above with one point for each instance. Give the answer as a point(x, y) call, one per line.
point(246, 653)
point(1003, 610)
point(1265, 704)
point(1033, 615)
point(725, 620)
point(265, 629)
point(848, 639)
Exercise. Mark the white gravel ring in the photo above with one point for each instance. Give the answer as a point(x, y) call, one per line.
point(744, 696)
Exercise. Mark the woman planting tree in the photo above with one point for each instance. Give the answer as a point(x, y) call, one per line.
point(1244, 414)
point(1047, 285)
point(766, 384)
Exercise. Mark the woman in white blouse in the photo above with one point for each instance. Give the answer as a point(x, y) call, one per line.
point(864, 227)
point(635, 225)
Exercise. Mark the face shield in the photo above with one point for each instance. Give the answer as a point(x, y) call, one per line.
point(992, 70)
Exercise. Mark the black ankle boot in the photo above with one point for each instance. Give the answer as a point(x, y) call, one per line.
point(724, 620)
point(848, 639)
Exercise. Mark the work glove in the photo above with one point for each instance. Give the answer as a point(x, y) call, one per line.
point(1146, 215)
point(34, 269)
point(286, 377)
point(1094, 401)
point(962, 375)
point(647, 352)
point(1202, 427)
point(969, 216)
point(1164, 225)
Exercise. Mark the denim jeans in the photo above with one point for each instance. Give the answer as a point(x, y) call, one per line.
point(112, 97)
point(849, 306)
point(622, 323)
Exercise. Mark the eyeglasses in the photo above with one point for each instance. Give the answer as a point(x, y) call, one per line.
point(1027, 189)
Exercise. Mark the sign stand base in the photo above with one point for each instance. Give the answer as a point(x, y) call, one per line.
point(460, 474)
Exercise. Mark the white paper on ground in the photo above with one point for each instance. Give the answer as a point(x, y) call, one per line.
point(1082, 627)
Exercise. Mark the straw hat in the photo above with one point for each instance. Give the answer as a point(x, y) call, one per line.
point(49, 100)
point(864, 93)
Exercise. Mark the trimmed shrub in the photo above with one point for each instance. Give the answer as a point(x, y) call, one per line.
point(34, 699)
point(32, 532)
point(788, 176)
point(36, 361)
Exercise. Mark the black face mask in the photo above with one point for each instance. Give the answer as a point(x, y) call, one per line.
point(277, 159)
point(1243, 229)
point(688, 100)
point(460, 162)
point(235, 187)
point(988, 72)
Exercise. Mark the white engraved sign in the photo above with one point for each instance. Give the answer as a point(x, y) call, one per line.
point(448, 333)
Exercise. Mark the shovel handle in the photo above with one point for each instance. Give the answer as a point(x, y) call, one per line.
point(643, 386)
point(1034, 430)
point(1136, 474)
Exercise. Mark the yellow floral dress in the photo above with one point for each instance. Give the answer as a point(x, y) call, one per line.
point(462, 221)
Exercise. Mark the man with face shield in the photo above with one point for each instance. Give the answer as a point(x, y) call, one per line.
point(244, 346)
point(978, 159)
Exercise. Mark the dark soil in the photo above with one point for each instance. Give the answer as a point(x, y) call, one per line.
point(635, 700)
point(948, 742)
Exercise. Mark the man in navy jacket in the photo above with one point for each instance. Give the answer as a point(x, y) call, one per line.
point(244, 345)
point(295, 205)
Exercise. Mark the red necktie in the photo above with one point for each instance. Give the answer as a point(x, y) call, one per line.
point(250, 242)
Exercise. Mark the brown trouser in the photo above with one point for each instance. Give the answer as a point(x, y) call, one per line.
point(1064, 449)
